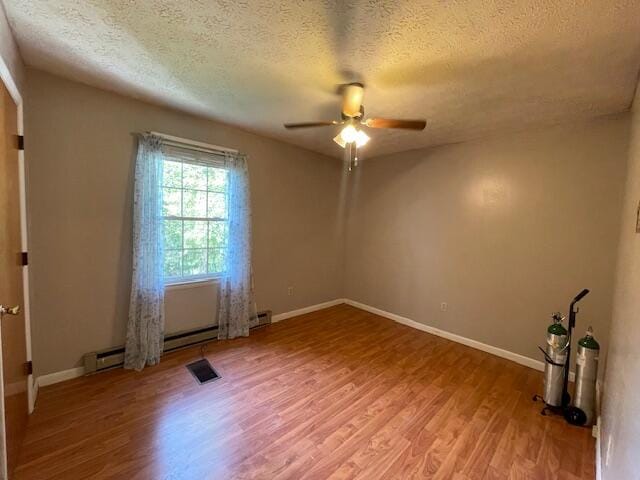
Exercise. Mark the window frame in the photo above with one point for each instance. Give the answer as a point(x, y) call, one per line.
point(210, 161)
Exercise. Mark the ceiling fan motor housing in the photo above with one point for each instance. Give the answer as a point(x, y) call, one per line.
point(352, 95)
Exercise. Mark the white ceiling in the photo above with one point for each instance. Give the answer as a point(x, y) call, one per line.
point(470, 67)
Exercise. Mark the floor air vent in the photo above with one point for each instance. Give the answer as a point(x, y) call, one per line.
point(202, 371)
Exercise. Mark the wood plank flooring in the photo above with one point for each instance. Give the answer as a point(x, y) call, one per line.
point(335, 394)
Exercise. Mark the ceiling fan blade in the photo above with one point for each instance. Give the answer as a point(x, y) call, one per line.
point(390, 123)
point(310, 124)
point(352, 95)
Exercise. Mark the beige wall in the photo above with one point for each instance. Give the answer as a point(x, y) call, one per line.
point(9, 51)
point(620, 441)
point(505, 230)
point(80, 152)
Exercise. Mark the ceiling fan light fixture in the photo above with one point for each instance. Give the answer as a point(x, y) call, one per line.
point(350, 134)
point(361, 138)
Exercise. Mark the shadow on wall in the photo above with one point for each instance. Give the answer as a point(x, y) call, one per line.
point(123, 291)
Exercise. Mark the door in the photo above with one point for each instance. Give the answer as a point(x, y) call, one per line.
point(12, 322)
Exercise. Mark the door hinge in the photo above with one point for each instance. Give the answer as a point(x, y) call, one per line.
point(20, 142)
point(24, 258)
point(28, 368)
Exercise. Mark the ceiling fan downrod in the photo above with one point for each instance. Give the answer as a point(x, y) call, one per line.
point(351, 155)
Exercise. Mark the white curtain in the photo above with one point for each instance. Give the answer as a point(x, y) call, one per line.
point(236, 303)
point(145, 329)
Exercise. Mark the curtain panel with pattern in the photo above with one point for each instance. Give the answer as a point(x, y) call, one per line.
point(145, 329)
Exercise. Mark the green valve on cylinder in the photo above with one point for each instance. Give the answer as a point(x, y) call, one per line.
point(556, 328)
point(588, 341)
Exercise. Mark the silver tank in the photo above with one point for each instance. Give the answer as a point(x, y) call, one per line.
point(554, 361)
point(586, 375)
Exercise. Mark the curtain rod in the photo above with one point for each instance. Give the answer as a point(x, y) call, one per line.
point(193, 143)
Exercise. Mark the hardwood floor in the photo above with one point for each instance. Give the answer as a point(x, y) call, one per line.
point(338, 393)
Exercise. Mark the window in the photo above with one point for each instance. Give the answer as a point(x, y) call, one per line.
point(195, 197)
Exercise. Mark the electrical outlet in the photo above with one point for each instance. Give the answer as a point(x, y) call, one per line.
point(444, 306)
point(290, 291)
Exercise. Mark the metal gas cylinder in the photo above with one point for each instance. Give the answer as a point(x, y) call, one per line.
point(555, 358)
point(586, 375)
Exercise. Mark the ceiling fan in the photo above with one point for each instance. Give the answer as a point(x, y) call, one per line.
point(351, 137)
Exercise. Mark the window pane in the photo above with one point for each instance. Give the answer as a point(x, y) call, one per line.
point(194, 247)
point(216, 260)
point(171, 202)
point(217, 234)
point(173, 234)
point(195, 234)
point(217, 205)
point(172, 174)
point(195, 203)
point(194, 176)
point(194, 262)
point(217, 179)
point(173, 263)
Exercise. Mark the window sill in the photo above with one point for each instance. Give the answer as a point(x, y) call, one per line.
point(196, 282)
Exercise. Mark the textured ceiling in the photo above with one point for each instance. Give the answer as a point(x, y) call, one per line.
point(469, 67)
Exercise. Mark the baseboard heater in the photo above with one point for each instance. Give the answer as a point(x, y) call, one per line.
point(114, 357)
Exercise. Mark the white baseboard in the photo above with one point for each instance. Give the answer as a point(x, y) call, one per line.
point(499, 352)
point(597, 430)
point(50, 379)
point(57, 377)
point(33, 385)
point(301, 311)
